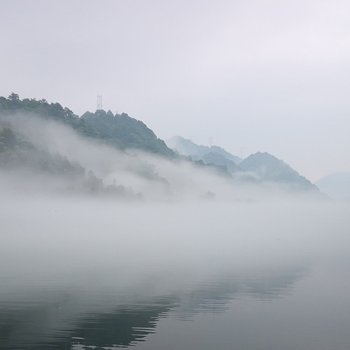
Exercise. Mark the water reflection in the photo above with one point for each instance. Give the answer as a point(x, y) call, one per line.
point(215, 295)
point(76, 318)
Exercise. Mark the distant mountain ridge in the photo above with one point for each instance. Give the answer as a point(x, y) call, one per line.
point(188, 148)
point(258, 167)
point(267, 167)
point(213, 155)
point(336, 185)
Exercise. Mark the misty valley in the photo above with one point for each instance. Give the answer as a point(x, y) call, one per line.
point(113, 238)
point(46, 148)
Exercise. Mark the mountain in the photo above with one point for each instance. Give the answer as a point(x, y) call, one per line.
point(259, 167)
point(119, 130)
point(188, 148)
point(336, 185)
point(36, 137)
point(268, 168)
point(123, 132)
point(18, 153)
point(20, 157)
point(213, 155)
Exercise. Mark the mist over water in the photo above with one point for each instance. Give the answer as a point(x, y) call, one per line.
point(129, 249)
point(82, 272)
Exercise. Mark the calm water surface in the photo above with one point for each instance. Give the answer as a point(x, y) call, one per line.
point(215, 288)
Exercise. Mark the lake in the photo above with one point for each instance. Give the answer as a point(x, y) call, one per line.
point(248, 276)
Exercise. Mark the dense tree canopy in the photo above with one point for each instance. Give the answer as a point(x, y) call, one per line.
point(118, 130)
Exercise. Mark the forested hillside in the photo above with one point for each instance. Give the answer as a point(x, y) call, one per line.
point(118, 130)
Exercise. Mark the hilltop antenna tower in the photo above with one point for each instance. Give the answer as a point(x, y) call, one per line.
point(99, 102)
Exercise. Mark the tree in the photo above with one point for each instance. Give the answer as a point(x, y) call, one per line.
point(14, 97)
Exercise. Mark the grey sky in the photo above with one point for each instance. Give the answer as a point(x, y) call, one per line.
point(253, 75)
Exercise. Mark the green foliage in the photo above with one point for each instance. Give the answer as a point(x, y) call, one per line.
point(125, 132)
point(16, 152)
point(9, 141)
point(118, 130)
point(14, 97)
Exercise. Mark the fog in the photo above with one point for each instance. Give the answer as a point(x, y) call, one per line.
point(144, 175)
point(62, 260)
point(181, 239)
point(59, 238)
point(173, 215)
